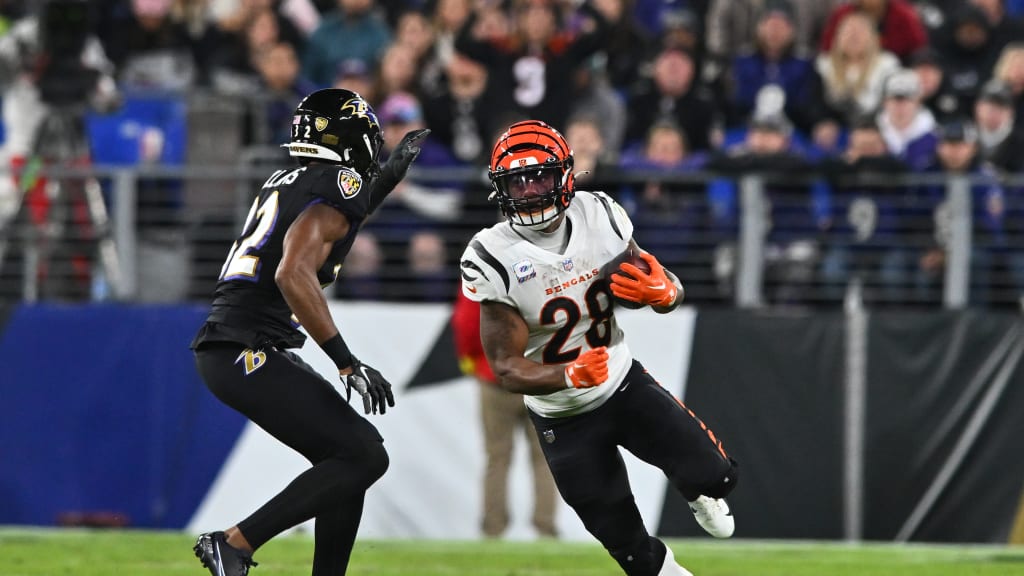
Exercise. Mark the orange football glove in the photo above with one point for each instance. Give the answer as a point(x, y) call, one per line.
point(588, 369)
point(652, 288)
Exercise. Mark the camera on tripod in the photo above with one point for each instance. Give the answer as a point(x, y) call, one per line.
point(63, 80)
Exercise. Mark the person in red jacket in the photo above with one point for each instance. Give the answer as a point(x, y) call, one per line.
point(503, 413)
point(901, 30)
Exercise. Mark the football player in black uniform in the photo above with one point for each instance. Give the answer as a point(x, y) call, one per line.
point(299, 229)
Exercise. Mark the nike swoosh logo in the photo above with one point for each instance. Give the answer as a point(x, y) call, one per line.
point(660, 286)
point(471, 289)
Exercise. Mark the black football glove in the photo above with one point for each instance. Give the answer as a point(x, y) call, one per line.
point(371, 385)
point(392, 172)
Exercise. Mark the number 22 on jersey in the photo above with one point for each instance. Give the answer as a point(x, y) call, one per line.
point(241, 263)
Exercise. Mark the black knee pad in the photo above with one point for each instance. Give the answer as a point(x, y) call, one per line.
point(725, 485)
point(377, 460)
point(643, 558)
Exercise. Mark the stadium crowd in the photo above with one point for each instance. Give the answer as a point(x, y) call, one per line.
point(723, 87)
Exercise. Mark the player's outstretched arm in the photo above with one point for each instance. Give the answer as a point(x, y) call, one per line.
point(307, 244)
point(504, 335)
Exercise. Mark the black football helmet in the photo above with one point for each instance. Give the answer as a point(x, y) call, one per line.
point(337, 126)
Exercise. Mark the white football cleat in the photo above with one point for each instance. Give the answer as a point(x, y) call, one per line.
point(669, 566)
point(714, 516)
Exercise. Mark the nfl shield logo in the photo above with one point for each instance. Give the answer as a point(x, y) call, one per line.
point(549, 436)
point(567, 265)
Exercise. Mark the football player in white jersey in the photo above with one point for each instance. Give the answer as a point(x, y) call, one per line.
point(549, 331)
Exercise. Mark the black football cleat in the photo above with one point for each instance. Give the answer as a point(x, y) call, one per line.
point(221, 558)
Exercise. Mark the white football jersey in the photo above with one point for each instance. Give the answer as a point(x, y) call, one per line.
point(560, 296)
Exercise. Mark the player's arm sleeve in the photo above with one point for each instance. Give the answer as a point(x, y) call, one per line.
point(483, 276)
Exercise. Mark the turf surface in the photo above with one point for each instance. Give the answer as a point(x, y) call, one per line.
point(139, 553)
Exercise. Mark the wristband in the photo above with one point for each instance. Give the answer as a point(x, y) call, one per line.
point(337, 351)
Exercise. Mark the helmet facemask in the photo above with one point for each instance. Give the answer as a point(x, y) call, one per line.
point(531, 197)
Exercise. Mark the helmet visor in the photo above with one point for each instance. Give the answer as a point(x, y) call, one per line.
point(529, 196)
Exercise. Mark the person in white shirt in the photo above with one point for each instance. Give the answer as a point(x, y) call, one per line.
point(548, 330)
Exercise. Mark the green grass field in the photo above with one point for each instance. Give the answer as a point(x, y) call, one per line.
point(136, 553)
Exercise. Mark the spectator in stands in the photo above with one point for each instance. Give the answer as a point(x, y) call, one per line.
point(427, 257)
point(195, 16)
point(667, 217)
point(796, 217)
point(529, 68)
point(397, 72)
point(682, 29)
point(151, 51)
point(774, 61)
point(492, 23)
point(957, 154)
point(232, 16)
point(354, 74)
point(906, 125)
point(234, 68)
point(415, 31)
point(281, 88)
point(362, 272)
point(1010, 69)
point(1004, 27)
point(416, 207)
point(936, 93)
point(852, 73)
point(594, 95)
point(355, 30)
point(448, 18)
point(999, 141)
point(672, 93)
point(457, 116)
point(627, 46)
point(732, 27)
point(898, 24)
point(863, 239)
point(968, 54)
point(653, 15)
point(594, 161)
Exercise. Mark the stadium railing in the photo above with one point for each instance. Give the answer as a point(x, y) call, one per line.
point(160, 233)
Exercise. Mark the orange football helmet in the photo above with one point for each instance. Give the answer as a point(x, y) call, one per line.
point(531, 174)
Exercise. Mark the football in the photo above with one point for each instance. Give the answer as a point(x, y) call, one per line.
point(631, 256)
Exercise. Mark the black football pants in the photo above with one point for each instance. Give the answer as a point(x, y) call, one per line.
point(644, 418)
point(287, 398)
